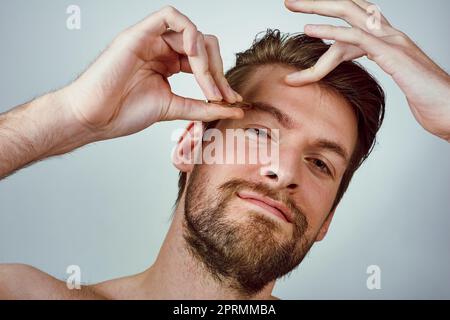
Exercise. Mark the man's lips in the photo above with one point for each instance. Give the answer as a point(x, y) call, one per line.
point(275, 207)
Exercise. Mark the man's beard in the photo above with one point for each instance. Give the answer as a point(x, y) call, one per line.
point(246, 255)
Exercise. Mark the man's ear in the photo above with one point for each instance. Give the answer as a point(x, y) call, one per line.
point(186, 151)
point(324, 229)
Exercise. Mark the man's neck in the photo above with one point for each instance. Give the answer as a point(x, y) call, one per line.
point(177, 274)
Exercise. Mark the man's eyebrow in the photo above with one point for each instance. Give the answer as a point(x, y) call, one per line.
point(286, 121)
point(333, 147)
point(283, 118)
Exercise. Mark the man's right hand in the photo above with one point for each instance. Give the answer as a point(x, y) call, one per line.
point(126, 89)
point(123, 92)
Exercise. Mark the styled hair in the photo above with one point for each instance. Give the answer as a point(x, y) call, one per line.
point(350, 80)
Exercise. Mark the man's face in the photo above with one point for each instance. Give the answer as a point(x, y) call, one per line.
point(252, 226)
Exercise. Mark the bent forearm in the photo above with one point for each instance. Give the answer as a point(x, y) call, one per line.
point(36, 130)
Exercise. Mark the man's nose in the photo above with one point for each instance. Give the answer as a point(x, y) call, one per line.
point(284, 175)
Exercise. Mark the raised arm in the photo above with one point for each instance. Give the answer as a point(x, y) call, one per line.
point(123, 92)
point(36, 130)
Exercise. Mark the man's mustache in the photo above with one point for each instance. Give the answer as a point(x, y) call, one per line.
point(233, 186)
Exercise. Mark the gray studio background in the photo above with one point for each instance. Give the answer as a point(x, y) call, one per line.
point(106, 207)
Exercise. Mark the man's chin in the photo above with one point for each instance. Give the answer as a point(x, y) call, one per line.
point(255, 227)
point(250, 250)
point(263, 223)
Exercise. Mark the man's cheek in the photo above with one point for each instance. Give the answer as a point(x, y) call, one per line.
point(317, 197)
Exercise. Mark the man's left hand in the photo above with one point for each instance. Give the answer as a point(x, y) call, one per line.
point(425, 84)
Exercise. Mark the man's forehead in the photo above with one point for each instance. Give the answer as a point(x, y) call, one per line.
point(266, 85)
point(264, 76)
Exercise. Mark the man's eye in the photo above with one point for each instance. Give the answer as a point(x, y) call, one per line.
point(321, 166)
point(257, 132)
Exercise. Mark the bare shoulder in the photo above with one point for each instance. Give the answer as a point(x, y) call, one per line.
point(126, 288)
point(20, 281)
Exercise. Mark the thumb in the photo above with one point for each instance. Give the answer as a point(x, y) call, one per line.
point(181, 108)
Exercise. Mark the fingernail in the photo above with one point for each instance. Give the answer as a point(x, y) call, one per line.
point(234, 93)
point(239, 113)
point(217, 94)
point(231, 92)
point(294, 76)
point(311, 28)
point(238, 96)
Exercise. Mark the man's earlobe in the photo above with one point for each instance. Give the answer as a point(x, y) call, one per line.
point(324, 229)
point(187, 151)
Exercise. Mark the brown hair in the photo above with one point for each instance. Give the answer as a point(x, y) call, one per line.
point(349, 79)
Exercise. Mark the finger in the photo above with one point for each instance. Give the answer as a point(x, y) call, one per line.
point(200, 68)
point(334, 56)
point(190, 109)
point(346, 10)
point(216, 69)
point(175, 41)
point(193, 45)
point(327, 62)
point(372, 46)
point(185, 67)
point(184, 64)
point(370, 8)
point(169, 18)
point(199, 64)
